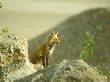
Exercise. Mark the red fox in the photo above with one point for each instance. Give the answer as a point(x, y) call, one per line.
point(44, 52)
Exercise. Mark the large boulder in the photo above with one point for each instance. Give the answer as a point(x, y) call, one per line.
point(67, 71)
point(14, 63)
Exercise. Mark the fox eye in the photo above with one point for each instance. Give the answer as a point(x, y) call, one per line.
point(52, 36)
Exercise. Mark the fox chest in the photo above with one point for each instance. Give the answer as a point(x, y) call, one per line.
point(51, 51)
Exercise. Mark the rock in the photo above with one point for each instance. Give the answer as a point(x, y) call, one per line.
point(14, 62)
point(67, 71)
point(15, 65)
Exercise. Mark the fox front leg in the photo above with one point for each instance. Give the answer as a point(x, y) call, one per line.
point(47, 61)
point(44, 61)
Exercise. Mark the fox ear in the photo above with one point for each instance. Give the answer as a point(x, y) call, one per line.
point(52, 33)
point(56, 33)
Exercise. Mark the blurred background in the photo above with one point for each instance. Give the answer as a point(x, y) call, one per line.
point(35, 19)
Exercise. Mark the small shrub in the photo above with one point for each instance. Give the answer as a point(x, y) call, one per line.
point(0, 4)
point(87, 46)
point(4, 31)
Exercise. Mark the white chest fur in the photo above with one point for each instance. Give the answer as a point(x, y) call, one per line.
point(51, 50)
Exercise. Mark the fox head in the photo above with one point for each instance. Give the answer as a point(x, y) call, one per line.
point(53, 38)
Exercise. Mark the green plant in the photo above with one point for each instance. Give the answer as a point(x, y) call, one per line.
point(0, 4)
point(87, 46)
point(4, 31)
point(101, 70)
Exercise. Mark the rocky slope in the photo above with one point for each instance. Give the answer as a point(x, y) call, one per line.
point(67, 71)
